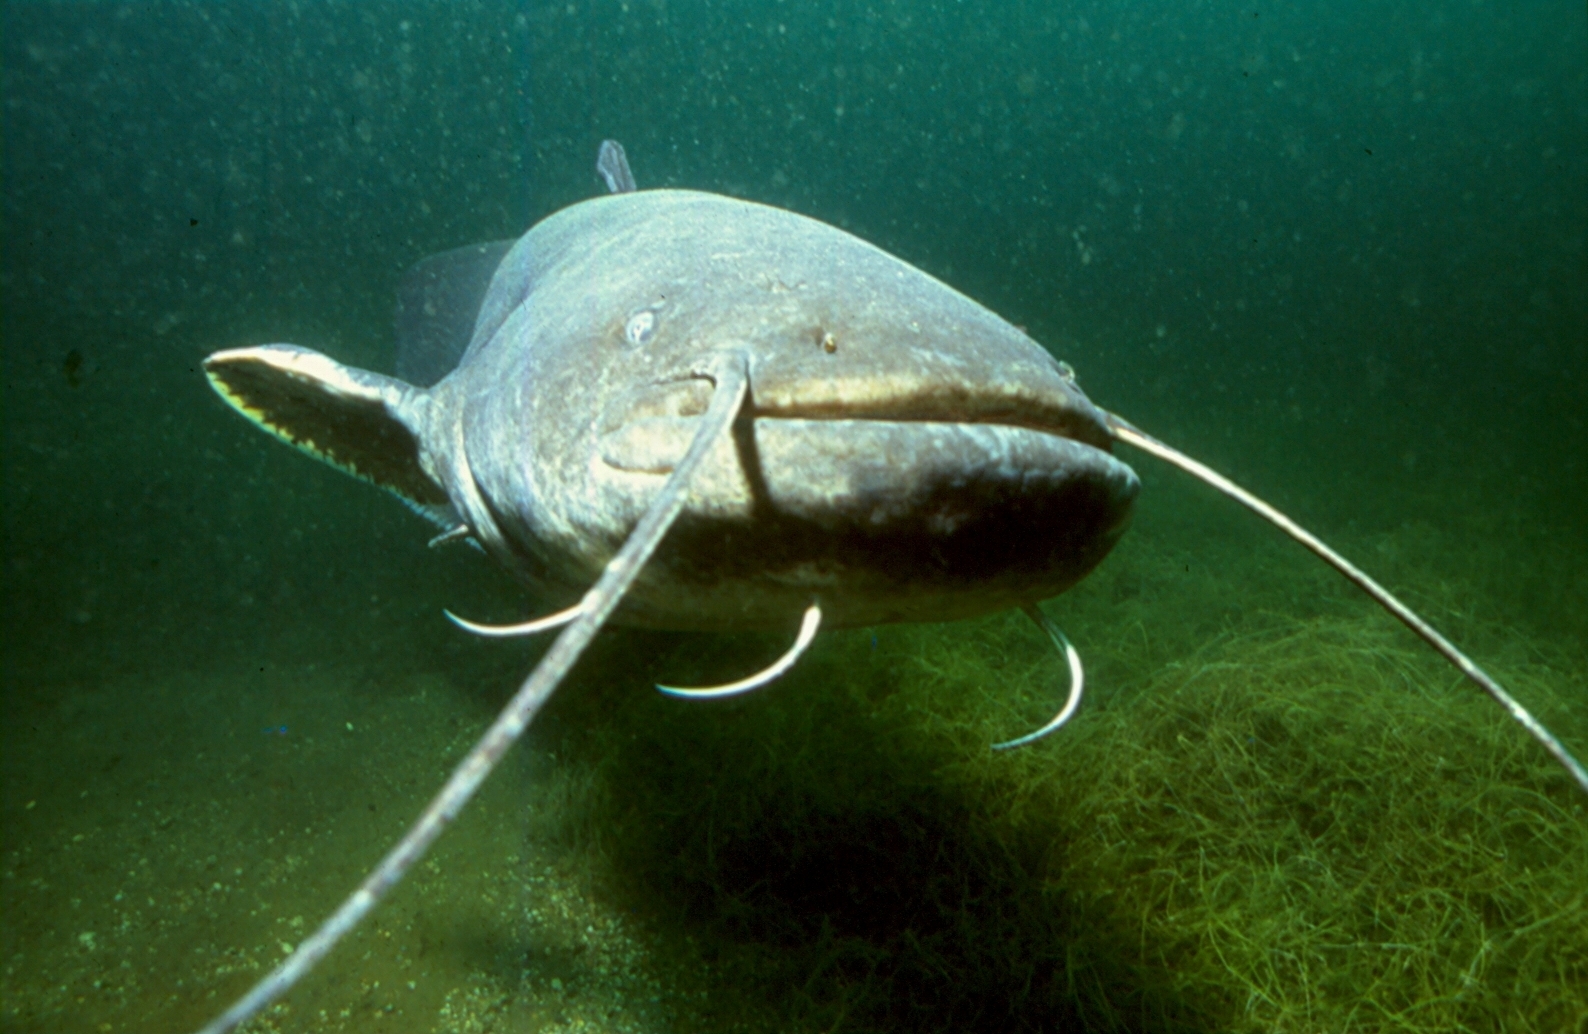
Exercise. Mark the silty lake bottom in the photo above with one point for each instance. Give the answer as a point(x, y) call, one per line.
point(1276, 811)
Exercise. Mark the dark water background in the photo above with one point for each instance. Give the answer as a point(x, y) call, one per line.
point(1339, 251)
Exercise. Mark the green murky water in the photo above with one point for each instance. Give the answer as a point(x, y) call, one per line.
point(1340, 257)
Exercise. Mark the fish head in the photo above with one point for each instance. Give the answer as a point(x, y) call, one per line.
point(904, 453)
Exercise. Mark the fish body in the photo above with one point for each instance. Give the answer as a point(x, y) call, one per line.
point(904, 454)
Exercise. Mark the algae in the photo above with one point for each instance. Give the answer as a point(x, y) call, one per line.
point(1275, 811)
point(1304, 823)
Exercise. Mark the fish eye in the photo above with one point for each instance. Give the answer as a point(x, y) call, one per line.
point(1067, 372)
point(640, 328)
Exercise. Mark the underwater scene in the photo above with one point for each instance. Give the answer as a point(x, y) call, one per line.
point(1337, 252)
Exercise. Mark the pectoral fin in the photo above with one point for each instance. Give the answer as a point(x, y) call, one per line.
point(349, 418)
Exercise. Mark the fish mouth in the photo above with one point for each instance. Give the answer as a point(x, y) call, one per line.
point(883, 521)
point(647, 429)
point(936, 479)
point(929, 507)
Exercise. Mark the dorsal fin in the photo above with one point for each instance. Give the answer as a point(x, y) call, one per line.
point(613, 165)
point(437, 303)
point(349, 418)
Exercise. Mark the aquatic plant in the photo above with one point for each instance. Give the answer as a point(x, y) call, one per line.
point(1302, 824)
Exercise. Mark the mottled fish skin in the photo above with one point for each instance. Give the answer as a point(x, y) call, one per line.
point(907, 454)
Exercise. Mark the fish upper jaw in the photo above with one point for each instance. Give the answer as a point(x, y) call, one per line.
point(1069, 414)
point(646, 428)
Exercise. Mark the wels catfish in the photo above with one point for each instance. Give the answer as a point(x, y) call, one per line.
point(678, 410)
